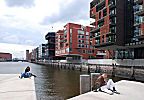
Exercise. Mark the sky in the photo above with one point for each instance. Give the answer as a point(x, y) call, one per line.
point(24, 23)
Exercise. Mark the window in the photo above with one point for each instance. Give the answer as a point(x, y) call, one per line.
point(83, 51)
point(80, 32)
point(83, 45)
point(100, 15)
point(87, 33)
point(65, 32)
point(87, 37)
point(104, 12)
point(70, 31)
point(113, 11)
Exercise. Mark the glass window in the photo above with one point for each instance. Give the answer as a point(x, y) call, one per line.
point(80, 32)
point(87, 33)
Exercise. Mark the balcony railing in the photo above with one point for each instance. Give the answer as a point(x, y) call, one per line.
point(92, 13)
point(92, 22)
point(138, 1)
point(92, 4)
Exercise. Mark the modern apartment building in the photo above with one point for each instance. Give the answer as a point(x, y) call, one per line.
point(137, 41)
point(73, 42)
point(50, 46)
point(118, 27)
point(41, 52)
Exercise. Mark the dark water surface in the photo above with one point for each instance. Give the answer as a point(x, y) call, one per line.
point(50, 83)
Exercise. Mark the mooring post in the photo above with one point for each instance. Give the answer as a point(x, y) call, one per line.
point(113, 70)
point(88, 68)
point(132, 73)
point(80, 67)
point(96, 69)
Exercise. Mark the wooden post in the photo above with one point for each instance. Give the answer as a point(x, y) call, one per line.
point(88, 68)
point(80, 67)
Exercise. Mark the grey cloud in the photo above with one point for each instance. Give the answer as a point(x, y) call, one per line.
point(76, 10)
point(20, 3)
point(19, 36)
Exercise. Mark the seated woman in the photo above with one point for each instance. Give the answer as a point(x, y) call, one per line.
point(106, 85)
point(27, 73)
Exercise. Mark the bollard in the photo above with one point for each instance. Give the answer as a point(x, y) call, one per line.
point(80, 67)
point(84, 83)
point(96, 69)
point(94, 84)
point(132, 77)
point(113, 70)
point(88, 69)
point(61, 65)
point(73, 67)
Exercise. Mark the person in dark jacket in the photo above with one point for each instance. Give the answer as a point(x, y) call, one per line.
point(27, 73)
point(106, 85)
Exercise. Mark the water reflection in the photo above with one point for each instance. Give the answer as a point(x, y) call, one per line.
point(57, 84)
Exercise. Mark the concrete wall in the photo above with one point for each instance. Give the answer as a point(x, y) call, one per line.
point(126, 62)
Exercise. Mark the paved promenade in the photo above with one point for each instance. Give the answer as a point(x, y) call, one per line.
point(129, 90)
point(13, 88)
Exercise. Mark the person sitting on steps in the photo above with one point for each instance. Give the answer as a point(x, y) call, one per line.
point(106, 85)
point(27, 73)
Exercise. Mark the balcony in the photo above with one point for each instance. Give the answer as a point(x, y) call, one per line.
point(138, 1)
point(106, 44)
point(92, 22)
point(93, 13)
point(101, 53)
point(100, 5)
point(112, 24)
point(93, 30)
point(140, 12)
point(97, 37)
point(93, 4)
point(110, 34)
point(111, 6)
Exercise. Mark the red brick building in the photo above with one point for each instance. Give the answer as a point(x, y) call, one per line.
point(74, 40)
point(5, 56)
point(102, 13)
point(118, 27)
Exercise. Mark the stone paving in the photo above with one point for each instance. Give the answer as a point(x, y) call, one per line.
point(129, 90)
point(14, 88)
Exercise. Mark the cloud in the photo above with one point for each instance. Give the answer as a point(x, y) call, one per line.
point(19, 36)
point(69, 11)
point(17, 31)
point(11, 38)
point(29, 26)
point(20, 3)
point(17, 51)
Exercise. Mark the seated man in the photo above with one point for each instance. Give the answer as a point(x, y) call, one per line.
point(106, 85)
point(27, 73)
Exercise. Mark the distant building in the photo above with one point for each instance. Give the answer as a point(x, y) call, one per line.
point(50, 46)
point(33, 55)
point(27, 55)
point(5, 56)
point(73, 42)
point(41, 52)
